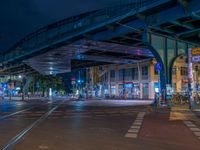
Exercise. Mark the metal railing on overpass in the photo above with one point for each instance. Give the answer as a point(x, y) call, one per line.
point(51, 35)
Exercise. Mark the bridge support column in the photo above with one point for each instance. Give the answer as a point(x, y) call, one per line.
point(162, 77)
point(162, 71)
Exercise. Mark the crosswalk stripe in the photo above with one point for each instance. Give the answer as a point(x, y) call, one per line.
point(195, 129)
point(197, 134)
point(133, 130)
point(135, 127)
point(131, 135)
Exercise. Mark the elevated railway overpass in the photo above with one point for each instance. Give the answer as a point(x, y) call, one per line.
point(132, 31)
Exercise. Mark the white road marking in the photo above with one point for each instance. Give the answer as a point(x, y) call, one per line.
point(197, 134)
point(193, 128)
point(137, 123)
point(192, 125)
point(135, 128)
point(130, 135)
point(187, 122)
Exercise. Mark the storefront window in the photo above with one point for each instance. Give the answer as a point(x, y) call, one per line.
point(121, 91)
point(136, 90)
point(184, 86)
point(113, 90)
point(106, 94)
point(156, 87)
point(173, 87)
point(128, 90)
point(145, 90)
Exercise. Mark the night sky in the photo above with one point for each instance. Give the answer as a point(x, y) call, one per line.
point(21, 17)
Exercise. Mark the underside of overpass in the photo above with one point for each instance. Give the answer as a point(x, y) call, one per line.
point(85, 54)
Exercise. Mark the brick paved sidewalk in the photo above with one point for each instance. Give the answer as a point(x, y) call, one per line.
point(167, 127)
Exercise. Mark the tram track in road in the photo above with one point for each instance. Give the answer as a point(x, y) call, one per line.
point(24, 127)
point(2, 117)
point(69, 113)
point(21, 134)
point(15, 113)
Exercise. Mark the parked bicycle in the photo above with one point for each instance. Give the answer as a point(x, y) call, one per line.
point(180, 98)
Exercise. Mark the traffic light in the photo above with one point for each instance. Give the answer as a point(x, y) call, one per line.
point(80, 81)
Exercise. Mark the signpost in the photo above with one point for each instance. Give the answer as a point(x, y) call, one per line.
point(1, 93)
point(193, 57)
point(73, 82)
point(158, 67)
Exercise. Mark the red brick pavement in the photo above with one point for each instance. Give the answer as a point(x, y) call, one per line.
point(158, 128)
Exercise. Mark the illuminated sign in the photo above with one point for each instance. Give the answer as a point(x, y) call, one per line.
point(195, 51)
point(196, 58)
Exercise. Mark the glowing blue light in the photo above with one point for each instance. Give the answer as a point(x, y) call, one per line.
point(5, 85)
point(13, 91)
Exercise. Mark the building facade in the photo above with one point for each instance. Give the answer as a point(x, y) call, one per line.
point(136, 81)
point(180, 75)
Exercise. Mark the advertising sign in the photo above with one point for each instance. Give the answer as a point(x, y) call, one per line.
point(196, 58)
point(195, 51)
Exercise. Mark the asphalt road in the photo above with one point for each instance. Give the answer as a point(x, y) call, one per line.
point(92, 125)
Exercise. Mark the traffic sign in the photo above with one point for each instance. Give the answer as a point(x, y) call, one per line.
point(158, 66)
point(196, 58)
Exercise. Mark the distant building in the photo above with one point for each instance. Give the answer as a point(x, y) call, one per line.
point(134, 81)
point(180, 75)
